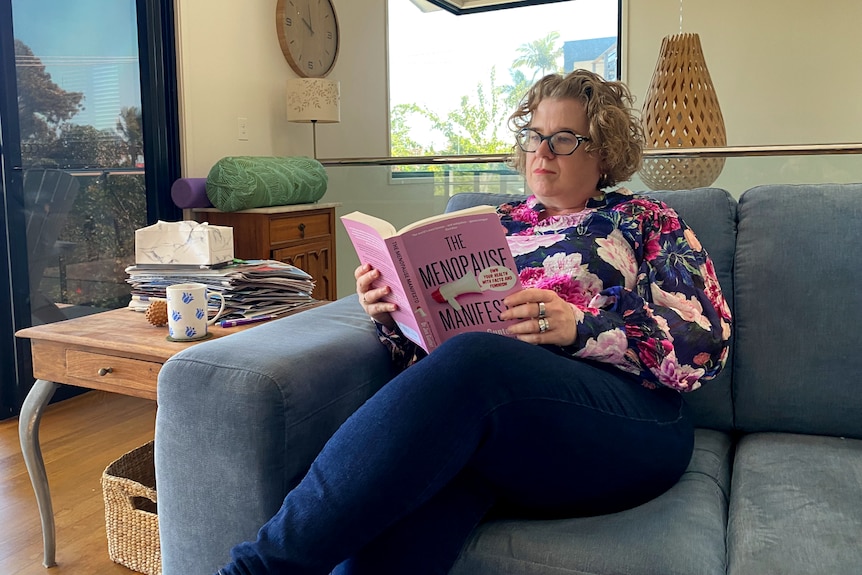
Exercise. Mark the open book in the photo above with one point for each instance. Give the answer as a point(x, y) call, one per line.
point(448, 274)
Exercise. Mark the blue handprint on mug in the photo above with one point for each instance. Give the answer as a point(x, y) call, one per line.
point(188, 311)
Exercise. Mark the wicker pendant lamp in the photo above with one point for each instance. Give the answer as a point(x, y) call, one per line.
point(681, 111)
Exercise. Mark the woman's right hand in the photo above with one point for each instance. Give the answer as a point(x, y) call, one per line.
point(370, 298)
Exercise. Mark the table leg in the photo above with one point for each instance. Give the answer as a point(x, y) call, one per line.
point(28, 434)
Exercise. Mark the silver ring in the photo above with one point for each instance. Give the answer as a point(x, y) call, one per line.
point(544, 325)
point(541, 310)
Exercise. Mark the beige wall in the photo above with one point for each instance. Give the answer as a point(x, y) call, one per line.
point(231, 66)
point(785, 72)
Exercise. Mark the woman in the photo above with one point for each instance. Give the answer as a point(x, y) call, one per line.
point(580, 414)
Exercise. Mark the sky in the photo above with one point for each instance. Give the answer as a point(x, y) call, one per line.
point(436, 58)
point(88, 46)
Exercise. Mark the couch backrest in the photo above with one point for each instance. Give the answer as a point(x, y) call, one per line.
point(711, 213)
point(798, 275)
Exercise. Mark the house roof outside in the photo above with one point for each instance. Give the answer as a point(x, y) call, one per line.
point(579, 51)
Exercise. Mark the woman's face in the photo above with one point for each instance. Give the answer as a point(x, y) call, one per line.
point(561, 183)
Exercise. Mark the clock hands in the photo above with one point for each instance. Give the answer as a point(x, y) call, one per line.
point(308, 53)
point(304, 21)
point(307, 25)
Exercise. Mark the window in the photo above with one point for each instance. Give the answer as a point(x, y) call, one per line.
point(88, 150)
point(454, 80)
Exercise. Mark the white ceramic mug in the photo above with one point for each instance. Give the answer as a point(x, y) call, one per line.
point(187, 311)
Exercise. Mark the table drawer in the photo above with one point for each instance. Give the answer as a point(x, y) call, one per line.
point(299, 227)
point(106, 371)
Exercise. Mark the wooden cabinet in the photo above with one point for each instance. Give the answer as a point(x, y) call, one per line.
point(302, 235)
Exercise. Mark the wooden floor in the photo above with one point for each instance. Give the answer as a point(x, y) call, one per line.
point(79, 438)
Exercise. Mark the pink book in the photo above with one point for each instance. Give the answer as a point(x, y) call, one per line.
point(448, 274)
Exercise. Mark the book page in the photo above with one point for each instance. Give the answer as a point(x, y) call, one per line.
point(383, 228)
point(411, 304)
point(448, 216)
point(386, 230)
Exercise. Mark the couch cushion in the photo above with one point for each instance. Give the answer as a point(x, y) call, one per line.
point(681, 532)
point(798, 310)
point(711, 213)
point(796, 506)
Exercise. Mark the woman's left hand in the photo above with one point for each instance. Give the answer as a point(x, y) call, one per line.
point(548, 318)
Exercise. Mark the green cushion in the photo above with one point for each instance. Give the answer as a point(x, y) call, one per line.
point(243, 182)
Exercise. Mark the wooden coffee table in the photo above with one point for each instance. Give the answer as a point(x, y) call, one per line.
point(116, 351)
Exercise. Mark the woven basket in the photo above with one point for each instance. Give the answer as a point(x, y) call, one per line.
point(131, 522)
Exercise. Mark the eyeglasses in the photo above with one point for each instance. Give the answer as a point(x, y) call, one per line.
point(562, 143)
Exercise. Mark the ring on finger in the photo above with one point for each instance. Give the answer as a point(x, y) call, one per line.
point(541, 310)
point(544, 325)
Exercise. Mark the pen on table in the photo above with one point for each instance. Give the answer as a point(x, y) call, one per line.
point(245, 320)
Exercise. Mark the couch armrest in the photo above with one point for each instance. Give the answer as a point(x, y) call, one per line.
point(240, 419)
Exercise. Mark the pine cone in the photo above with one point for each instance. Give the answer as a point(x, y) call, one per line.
point(157, 312)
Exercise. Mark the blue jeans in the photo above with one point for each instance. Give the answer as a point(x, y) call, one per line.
point(483, 422)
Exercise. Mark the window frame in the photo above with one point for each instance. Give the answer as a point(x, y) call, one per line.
point(462, 7)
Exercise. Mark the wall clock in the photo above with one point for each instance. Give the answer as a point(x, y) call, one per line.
point(308, 35)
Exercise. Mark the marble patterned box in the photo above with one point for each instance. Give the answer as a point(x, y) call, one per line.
point(183, 243)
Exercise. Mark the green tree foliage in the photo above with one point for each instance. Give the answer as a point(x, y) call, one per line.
point(515, 91)
point(541, 56)
point(81, 146)
point(402, 143)
point(473, 128)
point(42, 105)
point(479, 125)
point(129, 128)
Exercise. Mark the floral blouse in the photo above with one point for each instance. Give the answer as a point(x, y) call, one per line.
point(643, 289)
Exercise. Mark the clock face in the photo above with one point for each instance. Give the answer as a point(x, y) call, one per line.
point(308, 34)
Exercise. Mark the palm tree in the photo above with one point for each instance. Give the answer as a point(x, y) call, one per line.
point(516, 90)
point(540, 55)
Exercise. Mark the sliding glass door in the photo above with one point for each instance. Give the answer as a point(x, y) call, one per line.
point(84, 151)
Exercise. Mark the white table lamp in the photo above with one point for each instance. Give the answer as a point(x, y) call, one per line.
point(313, 100)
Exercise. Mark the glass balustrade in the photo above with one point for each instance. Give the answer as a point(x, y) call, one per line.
point(402, 190)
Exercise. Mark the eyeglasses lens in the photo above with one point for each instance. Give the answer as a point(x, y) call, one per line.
point(561, 143)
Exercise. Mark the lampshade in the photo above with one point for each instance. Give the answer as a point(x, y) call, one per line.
point(315, 100)
point(681, 111)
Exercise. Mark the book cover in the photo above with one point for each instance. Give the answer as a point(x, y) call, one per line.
point(448, 274)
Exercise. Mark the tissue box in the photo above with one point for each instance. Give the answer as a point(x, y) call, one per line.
point(183, 243)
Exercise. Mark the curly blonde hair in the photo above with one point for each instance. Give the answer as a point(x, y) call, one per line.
point(616, 133)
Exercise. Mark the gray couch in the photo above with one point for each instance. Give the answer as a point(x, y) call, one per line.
point(775, 484)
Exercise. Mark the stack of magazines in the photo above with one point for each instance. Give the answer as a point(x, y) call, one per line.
point(251, 288)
